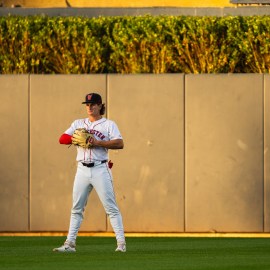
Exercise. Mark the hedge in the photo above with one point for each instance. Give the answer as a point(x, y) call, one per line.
point(140, 44)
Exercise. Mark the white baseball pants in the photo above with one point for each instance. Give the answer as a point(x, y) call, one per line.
point(99, 178)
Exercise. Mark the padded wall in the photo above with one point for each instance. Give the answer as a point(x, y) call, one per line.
point(14, 199)
point(224, 153)
point(267, 151)
point(196, 156)
point(149, 172)
point(55, 103)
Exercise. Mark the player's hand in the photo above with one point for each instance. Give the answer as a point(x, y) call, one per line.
point(81, 138)
point(93, 141)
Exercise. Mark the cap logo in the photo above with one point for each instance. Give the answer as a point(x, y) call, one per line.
point(89, 97)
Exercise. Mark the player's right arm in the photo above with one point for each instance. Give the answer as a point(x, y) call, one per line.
point(65, 139)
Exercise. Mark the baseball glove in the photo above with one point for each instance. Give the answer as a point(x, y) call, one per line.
point(81, 137)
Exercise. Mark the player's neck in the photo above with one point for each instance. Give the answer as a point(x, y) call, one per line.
point(94, 118)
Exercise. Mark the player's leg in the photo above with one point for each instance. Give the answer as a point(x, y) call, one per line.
point(104, 187)
point(81, 191)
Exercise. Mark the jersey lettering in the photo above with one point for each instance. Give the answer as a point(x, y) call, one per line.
point(97, 133)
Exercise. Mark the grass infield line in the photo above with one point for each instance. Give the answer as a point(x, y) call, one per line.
point(110, 234)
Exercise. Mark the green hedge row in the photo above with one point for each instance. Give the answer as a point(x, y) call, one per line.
point(143, 44)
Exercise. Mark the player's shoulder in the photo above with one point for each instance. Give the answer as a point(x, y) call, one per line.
point(108, 122)
point(80, 122)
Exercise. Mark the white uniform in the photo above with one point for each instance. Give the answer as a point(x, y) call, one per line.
point(98, 176)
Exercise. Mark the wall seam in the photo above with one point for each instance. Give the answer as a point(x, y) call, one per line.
point(184, 148)
point(107, 114)
point(263, 156)
point(29, 171)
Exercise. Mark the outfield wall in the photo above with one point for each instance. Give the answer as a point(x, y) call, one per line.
point(196, 156)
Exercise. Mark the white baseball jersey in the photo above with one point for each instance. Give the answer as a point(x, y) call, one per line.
point(102, 129)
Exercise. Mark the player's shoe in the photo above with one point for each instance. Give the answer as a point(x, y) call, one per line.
point(121, 247)
point(67, 247)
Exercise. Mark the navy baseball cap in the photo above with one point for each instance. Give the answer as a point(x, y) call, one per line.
point(93, 98)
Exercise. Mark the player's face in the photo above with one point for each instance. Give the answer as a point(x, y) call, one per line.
point(93, 109)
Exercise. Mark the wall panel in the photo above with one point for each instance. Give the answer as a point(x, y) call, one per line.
point(55, 104)
point(149, 171)
point(14, 153)
point(224, 153)
point(267, 150)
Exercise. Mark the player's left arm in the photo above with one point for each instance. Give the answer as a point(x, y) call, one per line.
point(112, 144)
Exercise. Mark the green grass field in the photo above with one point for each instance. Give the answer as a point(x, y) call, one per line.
point(143, 253)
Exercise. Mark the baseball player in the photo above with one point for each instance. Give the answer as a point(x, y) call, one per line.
point(93, 136)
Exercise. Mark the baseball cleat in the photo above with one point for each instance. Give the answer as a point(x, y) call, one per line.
point(121, 247)
point(67, 247)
